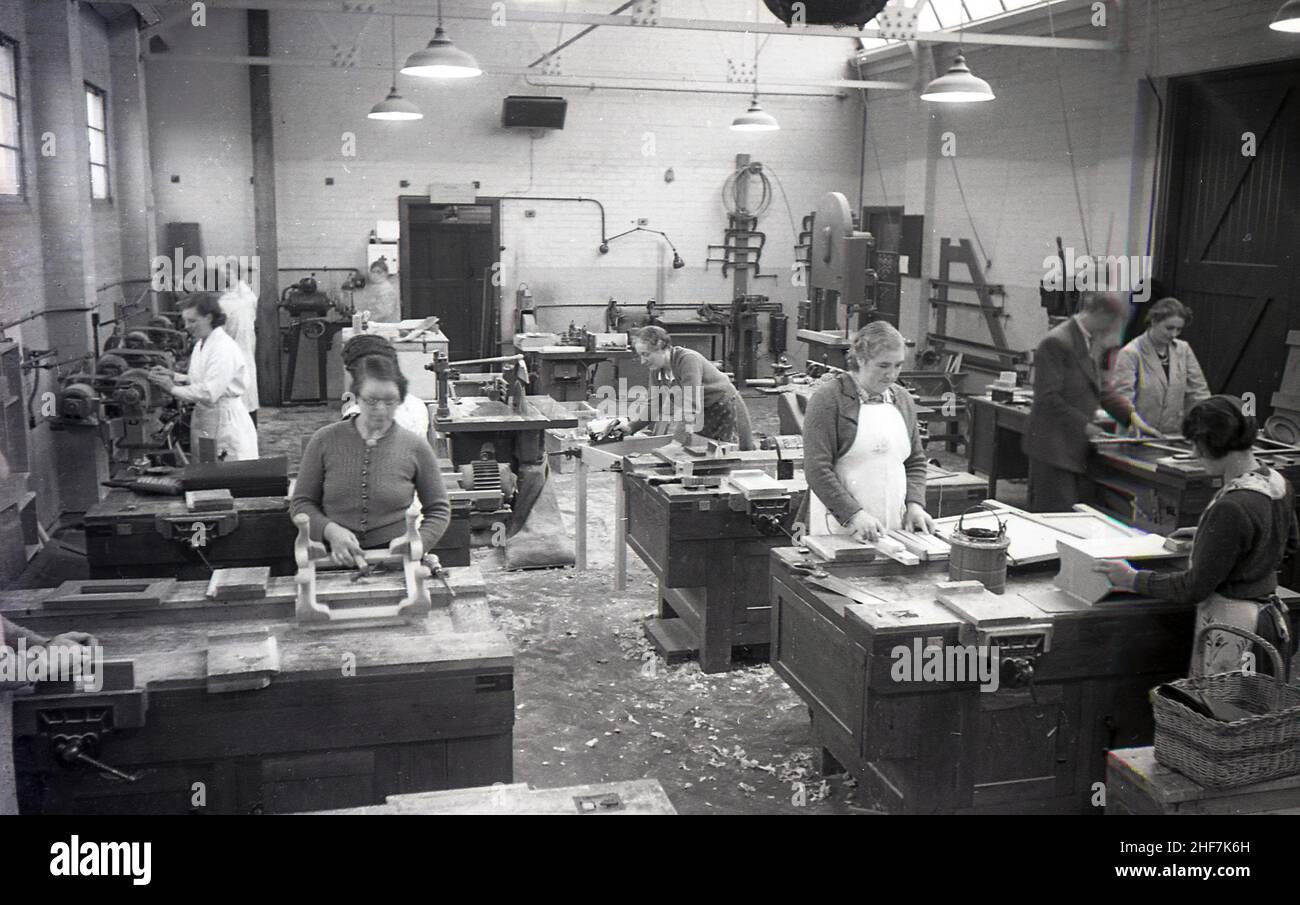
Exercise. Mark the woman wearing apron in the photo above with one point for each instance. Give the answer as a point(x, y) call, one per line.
point(1239, 542)
point(710, 404)
point(218, 376)
point(1158, 372)
point(862, 445)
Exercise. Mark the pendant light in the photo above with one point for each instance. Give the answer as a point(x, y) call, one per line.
point(1287, 18)
point(394, 107)
point(441, 59)
point(755, 119)
point(958, 86)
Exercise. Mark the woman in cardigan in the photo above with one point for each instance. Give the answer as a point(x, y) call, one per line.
point(358, 476)
point(1239, 542)
point(1158, 372)
point(710, 405)
point(862, 445)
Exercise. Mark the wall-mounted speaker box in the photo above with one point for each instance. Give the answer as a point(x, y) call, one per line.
point(519, 112)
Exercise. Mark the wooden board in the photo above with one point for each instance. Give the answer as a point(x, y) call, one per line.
point(838, 548)
point(1080, 579)
point(244, 661)
point(981, 608)
point(239, 584)
point(1033, 535)
point(111, 594)
point(638, 796)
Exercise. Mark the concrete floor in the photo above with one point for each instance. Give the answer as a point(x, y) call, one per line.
point(594, 703)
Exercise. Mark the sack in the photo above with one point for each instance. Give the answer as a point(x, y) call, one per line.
point(543, 541)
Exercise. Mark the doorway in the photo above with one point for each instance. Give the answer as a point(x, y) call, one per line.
point(1231, 196)
point(449, 253)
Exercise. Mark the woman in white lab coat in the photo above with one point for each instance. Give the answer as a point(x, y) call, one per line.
point(239, 302)
point(215, 384)
point(1158, 372)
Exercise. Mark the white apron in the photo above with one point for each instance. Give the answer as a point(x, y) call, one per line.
point(218, 375)
point(872, 470)
point(1223, 651)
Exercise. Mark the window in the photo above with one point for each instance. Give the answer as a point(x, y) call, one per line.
point(97, 127)
point(11, 155)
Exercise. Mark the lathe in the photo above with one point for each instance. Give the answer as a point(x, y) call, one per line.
point(133, 418)
point(251, 694)
point(1052, 679)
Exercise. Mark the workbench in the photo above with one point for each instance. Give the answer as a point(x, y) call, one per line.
point(415, 348)
point(630, 798)
point(349, 717)
point(994, 446)
point(563, 372)
point(710, 559)
point(1163, 486)
point(516, 436)
point(945, 746)
point(137, 535)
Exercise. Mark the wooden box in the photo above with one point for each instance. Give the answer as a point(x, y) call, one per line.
point(1137, 784)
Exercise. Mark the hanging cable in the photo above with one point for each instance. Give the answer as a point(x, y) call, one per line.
point(988, 262)
point(1069, 144)
point(731, 192)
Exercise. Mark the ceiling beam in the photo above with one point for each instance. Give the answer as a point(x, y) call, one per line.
point(967, 35)
point(770, 86)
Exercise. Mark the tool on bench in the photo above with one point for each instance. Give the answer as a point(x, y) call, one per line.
point(153, 484)
point(313, 600)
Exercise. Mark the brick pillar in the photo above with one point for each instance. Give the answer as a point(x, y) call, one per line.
point(62, 190)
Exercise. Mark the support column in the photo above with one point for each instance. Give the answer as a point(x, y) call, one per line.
point(129, 133)
point(62, 195)
point(265, 238)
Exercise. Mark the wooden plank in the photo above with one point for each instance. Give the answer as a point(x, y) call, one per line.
point(239, 584)
point(1078, 576)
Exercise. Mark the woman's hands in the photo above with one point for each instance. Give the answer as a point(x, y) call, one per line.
point(1120, 573)
point(345, 549)
point(917, 519)
point(73, 639)
point(162, 377)
point(865, 527)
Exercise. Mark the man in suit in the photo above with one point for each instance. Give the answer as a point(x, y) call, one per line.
point(1068, 386)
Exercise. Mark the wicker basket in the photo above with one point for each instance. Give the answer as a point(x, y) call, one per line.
point(1218, 754)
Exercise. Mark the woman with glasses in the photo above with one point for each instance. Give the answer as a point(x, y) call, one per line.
point(358, 476)
point(413, 413)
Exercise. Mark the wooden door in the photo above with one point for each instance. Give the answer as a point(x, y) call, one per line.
point(1231, 220)
point(447, 269)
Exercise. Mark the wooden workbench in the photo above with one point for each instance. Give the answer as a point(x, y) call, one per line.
point(712, 562)
point(634, 797)
point(352, 715)
point(944, 747)
point(125, 539)
point(993, 447)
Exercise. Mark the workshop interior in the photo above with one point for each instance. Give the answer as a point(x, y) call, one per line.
point(857, 407)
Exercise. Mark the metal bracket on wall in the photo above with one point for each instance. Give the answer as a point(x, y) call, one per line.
point(646, 13)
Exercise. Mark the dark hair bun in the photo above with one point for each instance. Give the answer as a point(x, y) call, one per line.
point(1219, 426)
